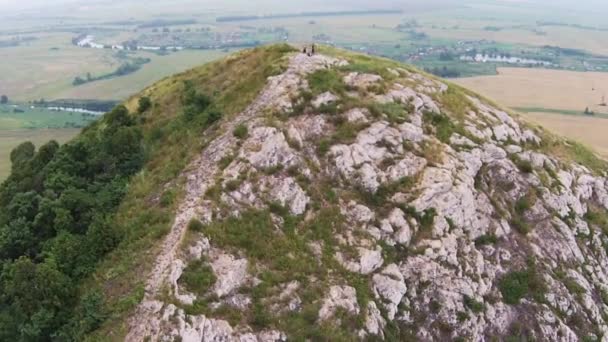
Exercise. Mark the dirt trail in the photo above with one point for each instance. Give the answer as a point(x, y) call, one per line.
point(200, 176)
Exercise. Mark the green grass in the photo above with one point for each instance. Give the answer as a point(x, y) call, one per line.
point(326, 80)
point(395, 112)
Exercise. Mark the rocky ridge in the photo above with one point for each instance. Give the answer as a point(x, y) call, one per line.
point(399, 207)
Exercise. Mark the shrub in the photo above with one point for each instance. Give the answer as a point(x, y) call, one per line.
point(473, 305)
point(523, 204)
point(518, 284)
point(241, 131)
point(195, 225)
point(514, 287)
point(427, 219)
point(144, 104)
point(198, 277)
point(487, 239)
point(462, 316)
point(233, 185)
point(323, 147)
point(520, 225)
point(523, 165)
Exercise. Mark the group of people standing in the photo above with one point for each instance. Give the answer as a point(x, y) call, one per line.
point(309, 52)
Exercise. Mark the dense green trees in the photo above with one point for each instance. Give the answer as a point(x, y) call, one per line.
point(54, 227)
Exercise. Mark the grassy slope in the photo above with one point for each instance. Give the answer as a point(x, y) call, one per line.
point(146, 214)
point(233, 83)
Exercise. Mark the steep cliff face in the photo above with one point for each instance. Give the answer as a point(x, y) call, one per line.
point(355, 198)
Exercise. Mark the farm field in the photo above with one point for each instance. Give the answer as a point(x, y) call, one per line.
point(122, 87)
point(588, 130)
point(542, 88)
point(554, 99)
point(47, 65)
point(9, 139)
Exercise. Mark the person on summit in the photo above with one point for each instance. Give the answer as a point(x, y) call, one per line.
point(313, 49)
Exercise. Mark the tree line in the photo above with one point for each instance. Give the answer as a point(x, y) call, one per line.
point(55, 214)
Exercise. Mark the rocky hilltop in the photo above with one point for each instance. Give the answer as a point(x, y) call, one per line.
point(355, 198)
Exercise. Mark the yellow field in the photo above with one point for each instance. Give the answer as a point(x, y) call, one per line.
point(588, 130)
point(552, 89)
point(557, 89)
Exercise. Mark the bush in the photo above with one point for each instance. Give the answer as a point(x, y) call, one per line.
point(520, 225)
point(487, 239)
point(240, 131)
point(474, 305)
point(523, 204)
point(514, 287)
point(323, 147)
point(144, 104)
point(233, 185)
point(523, 165)
point(518, 284)
point(197, 277)
point(195, 225)
point(427, 219)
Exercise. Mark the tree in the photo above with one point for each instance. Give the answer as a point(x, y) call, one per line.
point(3, 99)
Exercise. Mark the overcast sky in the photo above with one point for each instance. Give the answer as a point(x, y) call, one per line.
point(14, 6)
